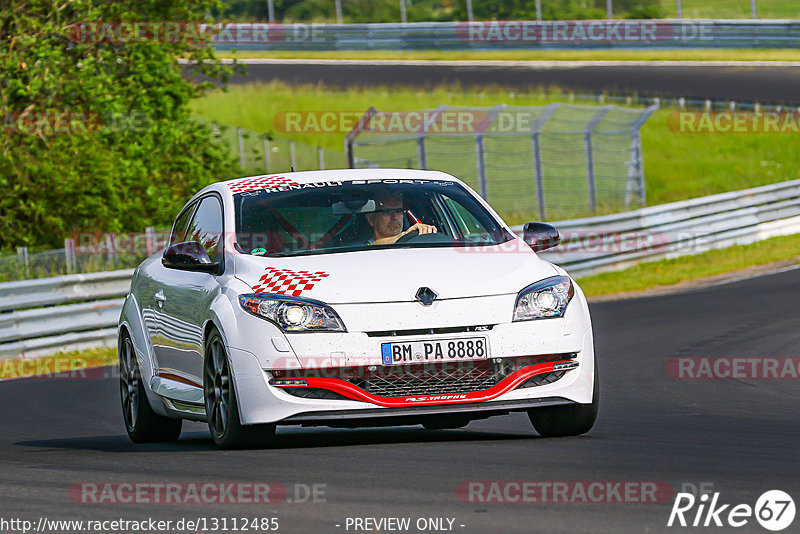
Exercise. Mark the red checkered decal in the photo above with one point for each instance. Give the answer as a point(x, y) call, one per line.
point(287, 282)
point(259, 182)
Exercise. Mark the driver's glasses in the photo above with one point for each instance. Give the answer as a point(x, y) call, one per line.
point(391, 211)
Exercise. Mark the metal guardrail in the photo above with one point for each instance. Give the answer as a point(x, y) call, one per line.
point(69, 312)
point(80, 311)
point(617, 241)
point(509, 35)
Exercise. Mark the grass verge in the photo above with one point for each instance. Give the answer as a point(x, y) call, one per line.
point(664, 274)
point(733, 54)
point(678, 165)
point(63, 365)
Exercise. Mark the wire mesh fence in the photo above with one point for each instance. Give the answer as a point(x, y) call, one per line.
point(531, 163)
point(83, 253)
point(262, 153)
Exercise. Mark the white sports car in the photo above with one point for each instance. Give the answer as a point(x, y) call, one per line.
point(350, 298)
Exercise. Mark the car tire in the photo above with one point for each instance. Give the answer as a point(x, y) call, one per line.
point(142, 423)
point(222, 406)
point(570, 420)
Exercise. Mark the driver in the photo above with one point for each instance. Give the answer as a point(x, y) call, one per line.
point(387, 220)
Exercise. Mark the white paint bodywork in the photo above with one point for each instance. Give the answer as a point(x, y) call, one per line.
point(371, 291)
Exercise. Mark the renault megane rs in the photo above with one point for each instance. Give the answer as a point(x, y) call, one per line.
point(350, 298)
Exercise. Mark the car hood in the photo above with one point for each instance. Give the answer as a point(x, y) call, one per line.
point(395, 275)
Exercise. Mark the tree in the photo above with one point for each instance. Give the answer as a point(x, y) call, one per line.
point(96, 133)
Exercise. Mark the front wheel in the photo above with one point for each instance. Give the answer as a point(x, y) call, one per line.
point(142, 423)
point(222, 407)
point(570, 420)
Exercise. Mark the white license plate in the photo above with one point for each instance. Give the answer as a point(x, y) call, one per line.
point(440, 350)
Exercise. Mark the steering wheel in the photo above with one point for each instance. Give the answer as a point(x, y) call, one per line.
point(408, 237)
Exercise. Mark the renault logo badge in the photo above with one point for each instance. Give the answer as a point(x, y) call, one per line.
point(426, 296)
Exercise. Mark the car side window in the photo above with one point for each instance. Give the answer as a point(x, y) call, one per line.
point(206, 227)
point(467, 223)
point(181, 225)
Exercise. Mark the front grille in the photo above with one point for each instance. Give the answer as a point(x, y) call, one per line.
point(428, 378)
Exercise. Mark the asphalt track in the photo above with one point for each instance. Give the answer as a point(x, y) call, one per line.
point(765, 84)
point(739, 435)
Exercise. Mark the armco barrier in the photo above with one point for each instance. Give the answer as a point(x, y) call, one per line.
point(612, 242)
point(69, 312)
point(509, 35)
point(78, 311)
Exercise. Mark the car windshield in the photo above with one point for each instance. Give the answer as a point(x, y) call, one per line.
point(340, 216)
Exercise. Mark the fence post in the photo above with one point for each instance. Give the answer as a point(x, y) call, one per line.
point(338, 5)
point(469, 10)
point(636, 161)
point(111, 250)
point(69, 254)
point(150, 240)
point(539, 10)
point(271, 10)
point(587, 140)
point(422, 158)
point(610, 9)
point(22, 253)
point(753, 8)
point(266, 154)
point(422, 155)
point(321, 158)
point(678, 6)
point(291, 155)
point(634, 169)
point(240, 135)
point(348, 153)
point(403, 17)
point(480, 161)
point(537, 156)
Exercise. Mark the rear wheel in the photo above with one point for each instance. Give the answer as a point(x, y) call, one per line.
point(142, 423)
point(222, 407)
point(570, 420)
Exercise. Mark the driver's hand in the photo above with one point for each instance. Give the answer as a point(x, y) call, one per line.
point(421, 228)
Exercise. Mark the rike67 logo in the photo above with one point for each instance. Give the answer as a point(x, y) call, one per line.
point(774, 510)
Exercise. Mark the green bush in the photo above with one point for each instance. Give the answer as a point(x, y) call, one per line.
point(136, 168)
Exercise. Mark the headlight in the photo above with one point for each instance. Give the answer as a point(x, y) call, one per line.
point(293, 314)
point(546, 298)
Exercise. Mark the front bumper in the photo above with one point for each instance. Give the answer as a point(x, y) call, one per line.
point(261, 349)
point(260, 402)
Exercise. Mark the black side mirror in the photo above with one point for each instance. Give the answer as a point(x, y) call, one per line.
point(540, 236)
point(188, 256)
